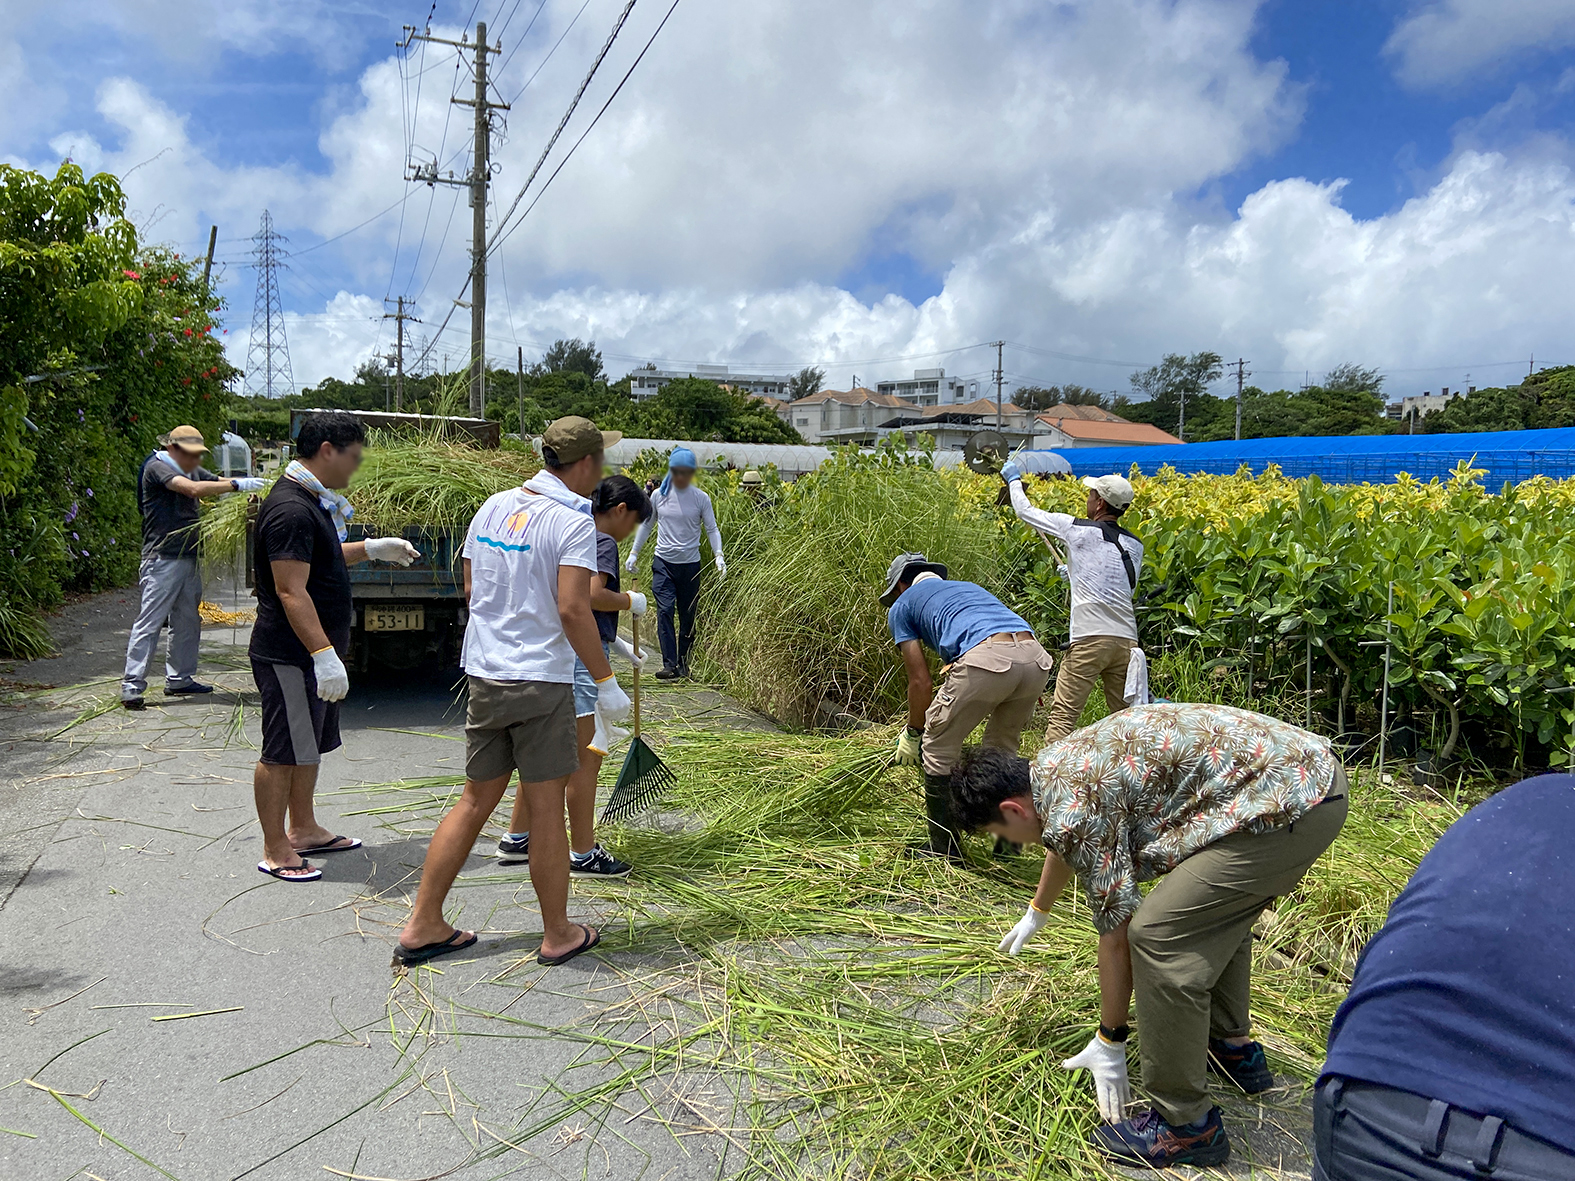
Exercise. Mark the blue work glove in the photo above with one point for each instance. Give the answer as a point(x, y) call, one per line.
point(1010, 471)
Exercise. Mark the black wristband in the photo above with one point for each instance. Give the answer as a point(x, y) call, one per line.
point(916, 731)
point(235, 485)
point(1119, 1034)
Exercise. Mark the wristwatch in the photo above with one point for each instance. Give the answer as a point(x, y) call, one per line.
point(235, 485)
point(1118, 1035)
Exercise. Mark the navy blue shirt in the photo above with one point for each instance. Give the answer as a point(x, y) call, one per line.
point(1467, 994)
point(950, 617)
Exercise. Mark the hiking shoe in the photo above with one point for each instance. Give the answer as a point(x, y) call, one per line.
point(511, 852)
point(189, 689)
point(1243, 1065)
point(667, 673)
point(133, 703)
point(598, 863)
point(1151, 1142)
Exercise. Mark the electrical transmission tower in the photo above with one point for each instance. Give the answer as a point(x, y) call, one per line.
point(268, 356)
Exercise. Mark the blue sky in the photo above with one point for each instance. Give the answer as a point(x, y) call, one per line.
point(800, 181)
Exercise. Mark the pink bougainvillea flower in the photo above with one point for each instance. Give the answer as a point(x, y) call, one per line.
point(131, 274)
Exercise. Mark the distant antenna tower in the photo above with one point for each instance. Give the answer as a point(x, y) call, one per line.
point(268, 356)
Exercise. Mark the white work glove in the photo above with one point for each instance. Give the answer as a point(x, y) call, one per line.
point(626, 650)
point(1107, 1062)
point(633, 561)
point(248, 483)
point(636, 604)
point(391, 549)
point(606, 735)
point(612, 703)
point(1027, 927)
point(908, 747)
point(721, 567)
point(333, 679)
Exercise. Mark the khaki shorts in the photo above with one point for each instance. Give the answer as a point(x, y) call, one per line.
point(526, 726)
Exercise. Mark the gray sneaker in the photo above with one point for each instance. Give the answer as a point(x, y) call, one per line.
point(599, 864)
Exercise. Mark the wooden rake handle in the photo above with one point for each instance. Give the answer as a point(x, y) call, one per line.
point(634, 633)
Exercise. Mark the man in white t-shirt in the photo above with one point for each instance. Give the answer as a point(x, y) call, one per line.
point(529, 557)
point(1103, 562)
point(682, 513)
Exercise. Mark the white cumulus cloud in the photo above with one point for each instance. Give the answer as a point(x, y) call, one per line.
point(1444, 41)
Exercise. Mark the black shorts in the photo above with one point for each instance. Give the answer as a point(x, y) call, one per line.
point(298, 726)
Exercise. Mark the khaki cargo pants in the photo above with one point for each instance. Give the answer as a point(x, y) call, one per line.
point(997, 679)
point(1093, 658)
point(1191, 941)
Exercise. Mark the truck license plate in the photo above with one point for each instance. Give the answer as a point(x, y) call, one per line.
point(395, 619)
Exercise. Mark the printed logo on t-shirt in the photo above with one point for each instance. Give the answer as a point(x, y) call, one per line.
point(514, 525)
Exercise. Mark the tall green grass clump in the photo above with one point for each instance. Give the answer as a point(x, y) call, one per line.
point(799, 622)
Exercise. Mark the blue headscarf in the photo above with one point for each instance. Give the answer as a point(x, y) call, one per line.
point(681, 457)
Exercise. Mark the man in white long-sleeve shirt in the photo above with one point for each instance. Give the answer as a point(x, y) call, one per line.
point(682, 512)
point(1103, 563)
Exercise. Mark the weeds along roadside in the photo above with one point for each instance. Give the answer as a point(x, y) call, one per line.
point(1252, 588)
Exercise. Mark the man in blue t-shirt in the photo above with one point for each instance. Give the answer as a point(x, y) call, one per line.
point(992, 667)
point(1454, 1054)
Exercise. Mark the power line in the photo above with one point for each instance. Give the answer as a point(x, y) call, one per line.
point(523, 36)
point(501, 234)
point(567, 115)
point(543, 64)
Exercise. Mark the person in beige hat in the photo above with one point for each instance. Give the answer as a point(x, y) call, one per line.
point(1103, 562)
point(171, 483)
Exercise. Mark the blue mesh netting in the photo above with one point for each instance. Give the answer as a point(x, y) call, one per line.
point(1351, 459)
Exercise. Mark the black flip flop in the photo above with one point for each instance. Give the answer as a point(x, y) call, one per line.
point(282, 872)
point(410, 956)
point(592, 938)
point(333, 846)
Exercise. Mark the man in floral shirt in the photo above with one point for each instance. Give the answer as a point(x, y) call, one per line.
point(1232, 808)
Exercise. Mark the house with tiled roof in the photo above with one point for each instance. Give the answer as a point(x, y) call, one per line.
point(1054, 429)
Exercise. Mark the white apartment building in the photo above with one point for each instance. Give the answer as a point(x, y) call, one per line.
point(1423, 404)
point(648, 382)
point(931, 387)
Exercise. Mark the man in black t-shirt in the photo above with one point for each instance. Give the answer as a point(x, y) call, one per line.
point(168, 487)
point(304, 615)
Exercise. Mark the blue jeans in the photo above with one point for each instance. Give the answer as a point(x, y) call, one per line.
point(675, 585)
point(585, 690)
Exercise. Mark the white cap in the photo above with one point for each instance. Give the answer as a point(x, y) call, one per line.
point(1116, 491)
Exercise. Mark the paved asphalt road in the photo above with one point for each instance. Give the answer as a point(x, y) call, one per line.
point(128, 892)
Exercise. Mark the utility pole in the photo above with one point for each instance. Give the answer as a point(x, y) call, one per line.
point(1000, 376)
point(477, 182)
point(207, 267)
point(1241, 377)
point(399, 317)
point(521, 389)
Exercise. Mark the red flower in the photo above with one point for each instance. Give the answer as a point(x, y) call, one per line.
point(131, 274)
point(185, 381)
point(187, 331)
